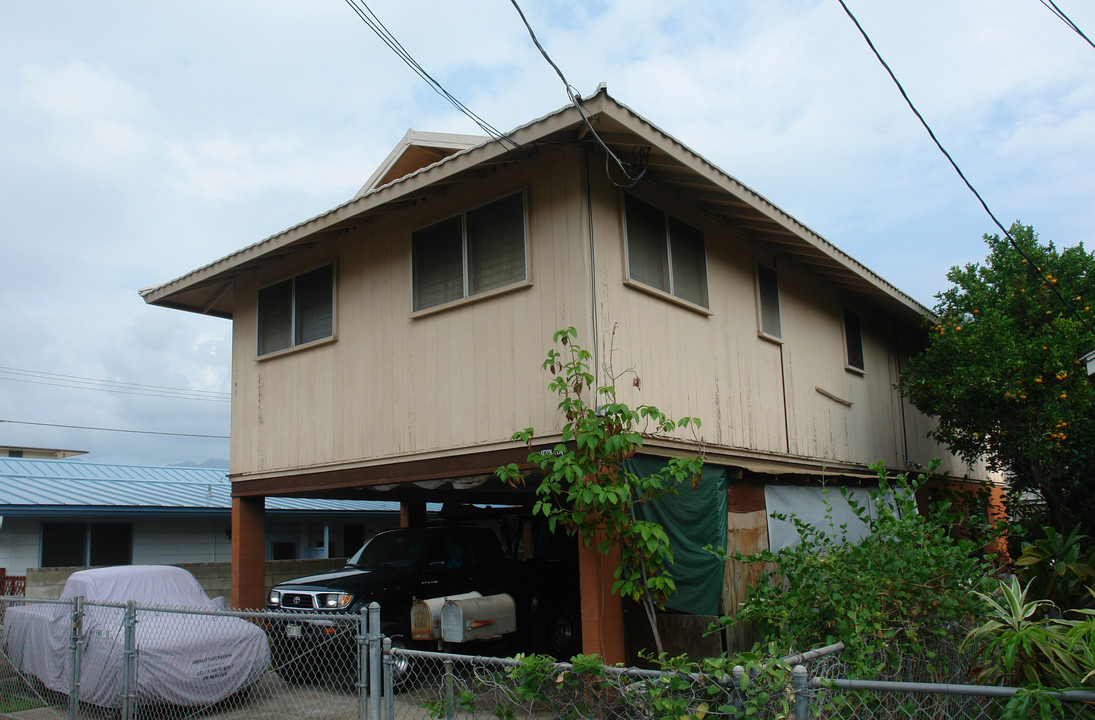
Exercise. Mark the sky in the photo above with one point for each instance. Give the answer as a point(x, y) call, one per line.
point(142, 140)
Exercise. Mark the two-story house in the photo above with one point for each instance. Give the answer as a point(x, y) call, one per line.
point(394, 343)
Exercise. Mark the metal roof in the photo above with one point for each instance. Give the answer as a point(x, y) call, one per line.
point(671, 164)
point(73, 487)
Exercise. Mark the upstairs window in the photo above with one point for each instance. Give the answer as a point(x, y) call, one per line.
point(664, 252)
point(768, 302)
point(297, 311)
point(474, 252)
point(853, 342)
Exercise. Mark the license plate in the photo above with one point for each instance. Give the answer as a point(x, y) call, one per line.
point(292, 631)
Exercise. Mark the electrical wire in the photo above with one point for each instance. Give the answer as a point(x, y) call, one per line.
point(37, 377)
point(367, 16)
point(117, 430)
point(962, 175)
point(576, 99)
point(1066, 20)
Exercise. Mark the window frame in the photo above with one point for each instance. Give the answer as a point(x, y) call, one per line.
point(670, 292)
point(294, 313)
point(847, 336)
point(466, 260)
point(759, 286)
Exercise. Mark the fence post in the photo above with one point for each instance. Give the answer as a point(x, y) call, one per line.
point(75, 646)
point(362, 664)
point(389, 682)
point(799, 684)
point(376, 658)
point(129, 662)
point(738, 672)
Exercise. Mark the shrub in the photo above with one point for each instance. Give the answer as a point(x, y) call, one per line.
point(901, 590)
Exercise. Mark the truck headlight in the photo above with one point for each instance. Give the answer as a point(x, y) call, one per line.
point(335, 601)
point(275, 597)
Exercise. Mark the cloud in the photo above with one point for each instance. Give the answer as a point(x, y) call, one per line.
point(91, 115)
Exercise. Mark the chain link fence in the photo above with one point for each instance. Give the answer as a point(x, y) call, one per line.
point(73, 659)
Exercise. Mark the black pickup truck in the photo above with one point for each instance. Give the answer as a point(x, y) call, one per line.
point(397, 567)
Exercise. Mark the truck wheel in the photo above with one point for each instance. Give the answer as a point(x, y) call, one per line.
point(558, 633)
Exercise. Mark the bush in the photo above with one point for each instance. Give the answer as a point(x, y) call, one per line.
point(901, 590)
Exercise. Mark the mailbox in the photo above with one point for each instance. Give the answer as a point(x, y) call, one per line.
point(478, 618)
point(426, 616)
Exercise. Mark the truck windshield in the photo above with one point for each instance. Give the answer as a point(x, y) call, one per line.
point(401, 549)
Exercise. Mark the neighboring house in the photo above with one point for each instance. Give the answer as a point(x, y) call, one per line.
point(17, 451)
point(396, 340)
point(62, 513)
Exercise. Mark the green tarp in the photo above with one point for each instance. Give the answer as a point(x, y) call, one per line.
point(692, 519)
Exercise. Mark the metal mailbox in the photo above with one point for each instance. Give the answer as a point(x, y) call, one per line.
point(479, 618)
point(426, 615)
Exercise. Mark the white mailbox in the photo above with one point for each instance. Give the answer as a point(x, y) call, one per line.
point(478, 618)
point(426, 615)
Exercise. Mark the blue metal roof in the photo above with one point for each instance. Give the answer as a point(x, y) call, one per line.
point(62, 487)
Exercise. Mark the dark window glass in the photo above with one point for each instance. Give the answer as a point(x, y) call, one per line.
point(664, 252)
point(768, 297)
point(111, 544)
point(437, 257)
point(64, 544)
point(853, 340)
point(296, 311)
point(471, 253)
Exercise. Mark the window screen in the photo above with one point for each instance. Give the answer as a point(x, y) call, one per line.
point(768, 299)
point(479, 250)
point(664, 252)
point(296, 311)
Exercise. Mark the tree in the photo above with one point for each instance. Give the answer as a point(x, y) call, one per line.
point(585, 488)
point(1001, 371)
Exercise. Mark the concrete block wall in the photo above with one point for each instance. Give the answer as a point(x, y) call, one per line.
point(215, 577)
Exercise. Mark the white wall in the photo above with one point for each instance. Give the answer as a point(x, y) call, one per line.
point(168, 542)
point(19, 545)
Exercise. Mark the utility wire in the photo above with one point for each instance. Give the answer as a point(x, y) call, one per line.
point(367, 16)
point(576, 98)
point(117, 430)
point(1066, 20)
point(962, 175)
point(37, 377)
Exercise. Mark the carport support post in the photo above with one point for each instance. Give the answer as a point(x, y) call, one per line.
point(75, 646)
point(249, 552)
point(129, 662)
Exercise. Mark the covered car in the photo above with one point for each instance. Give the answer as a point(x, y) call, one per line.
point(183, 658)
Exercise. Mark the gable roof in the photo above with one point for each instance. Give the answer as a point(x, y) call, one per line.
point(32, 487)
point(671, 164)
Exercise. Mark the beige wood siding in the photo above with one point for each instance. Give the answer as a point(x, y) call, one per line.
point(394, 385)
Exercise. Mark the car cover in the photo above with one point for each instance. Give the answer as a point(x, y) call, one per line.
point(182, 658)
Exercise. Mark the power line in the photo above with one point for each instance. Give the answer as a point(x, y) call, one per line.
point(367, 16)
point(1066, 20)
point(962, 175)
point(37, 377)
point(117, 430)
point(576, 98)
